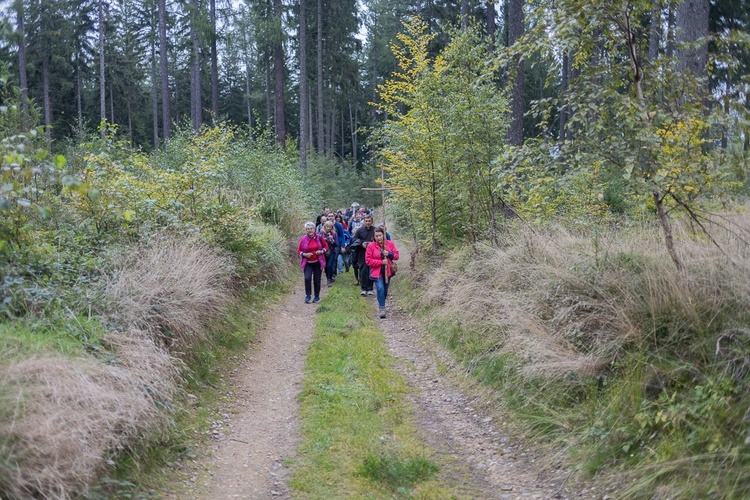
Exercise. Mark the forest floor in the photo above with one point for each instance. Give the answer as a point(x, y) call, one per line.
point(254, 434)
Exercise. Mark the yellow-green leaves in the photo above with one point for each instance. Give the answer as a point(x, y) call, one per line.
point(446, 127)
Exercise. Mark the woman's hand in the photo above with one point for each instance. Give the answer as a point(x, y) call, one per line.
point(385, 262)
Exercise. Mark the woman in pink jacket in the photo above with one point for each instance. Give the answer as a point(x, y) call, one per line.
point(379, 256)
point(312, 250)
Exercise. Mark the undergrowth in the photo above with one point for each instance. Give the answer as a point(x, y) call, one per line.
point(598, 345)
point(116, 279)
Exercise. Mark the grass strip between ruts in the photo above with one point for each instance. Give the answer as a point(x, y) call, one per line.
point(358, 435)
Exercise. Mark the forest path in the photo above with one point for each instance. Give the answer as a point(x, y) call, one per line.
point(256, 432)
point(262, 429)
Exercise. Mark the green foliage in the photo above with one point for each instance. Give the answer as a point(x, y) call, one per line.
point(26, 171)
point(638, 133)
point(446, 130)
point(267, 178)
point(339, 184)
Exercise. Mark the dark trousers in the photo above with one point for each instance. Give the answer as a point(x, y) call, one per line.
point(312, 278)
point(364, 278)
point(332, 263)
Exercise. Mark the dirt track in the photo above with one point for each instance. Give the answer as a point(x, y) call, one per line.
point(257, 429)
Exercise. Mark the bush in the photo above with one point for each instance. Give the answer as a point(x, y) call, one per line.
point(172, 290)
point(69, 415)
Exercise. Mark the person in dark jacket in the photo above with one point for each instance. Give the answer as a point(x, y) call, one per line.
point(365, 235)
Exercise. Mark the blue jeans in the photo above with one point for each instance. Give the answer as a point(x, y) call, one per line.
point(381, 290)
point(331, 263)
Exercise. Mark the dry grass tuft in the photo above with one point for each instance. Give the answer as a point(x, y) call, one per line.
point(174, 290)
point(69, 415)
point(567, 304)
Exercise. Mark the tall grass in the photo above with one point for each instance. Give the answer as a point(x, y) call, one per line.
point(597, 341)
point(172, 289)
point(66, 416)
point(71, 414)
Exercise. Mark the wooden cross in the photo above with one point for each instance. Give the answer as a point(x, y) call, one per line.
point(383, 188)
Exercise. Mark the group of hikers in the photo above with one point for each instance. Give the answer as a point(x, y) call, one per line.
point(344, 239)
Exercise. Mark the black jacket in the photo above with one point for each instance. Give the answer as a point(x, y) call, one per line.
point(365, 235)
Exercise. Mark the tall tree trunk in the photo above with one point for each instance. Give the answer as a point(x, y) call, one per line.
point(278, 70)
point(672, 6)
point(166, 120)
point(563, 94)
point(269, 111)
point(214, 66)
point(654, 34)
point(102, 86)
point(506, 15)
point(310, 141)
point(331, 130)
point(79, 98)
point(246, 53)
point(46, 101)
point(692, 27)
point(154, 93)
point(303, 104)
point(130, 124)
point(491, 25)
point(353, 131)
point(320, 78)
point(111, 102)
point(464, 14)
point(515, 31)
point(342, 136)
point(196, 108)
point(247, 92)
point(23, 75)
point(177, 88)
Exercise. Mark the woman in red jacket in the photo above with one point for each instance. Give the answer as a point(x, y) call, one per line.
point(379, 256)
point(312, 251)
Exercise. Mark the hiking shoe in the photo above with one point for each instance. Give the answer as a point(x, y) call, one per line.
point(330, 283)
point(363, 293)
point(382, 312)
point(370, 292)
point(316, 299)
point(307, 299)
